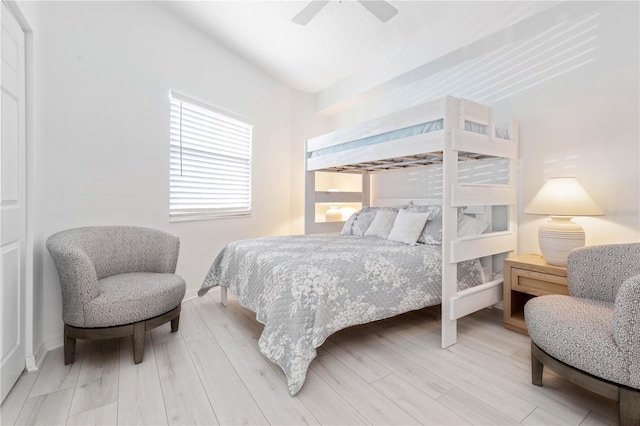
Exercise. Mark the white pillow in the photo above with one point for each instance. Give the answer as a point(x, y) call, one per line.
point(408, 226)
point(382, 224)
point(469, 226)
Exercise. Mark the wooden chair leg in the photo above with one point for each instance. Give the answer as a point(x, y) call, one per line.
point(175, 323)
point(537, 368)
point(629, 407)
point(138, 341)
point(69, 348)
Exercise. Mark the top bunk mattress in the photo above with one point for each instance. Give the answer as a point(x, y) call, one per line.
point(422, 128)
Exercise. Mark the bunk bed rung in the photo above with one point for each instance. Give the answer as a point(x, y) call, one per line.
point(338, 197)
point(475, 112)
point(465, 141)
point(323, 227)
point(483, 195)
point(482, 245)
point(476, 298)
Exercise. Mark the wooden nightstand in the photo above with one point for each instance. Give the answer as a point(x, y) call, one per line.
point(525, 277)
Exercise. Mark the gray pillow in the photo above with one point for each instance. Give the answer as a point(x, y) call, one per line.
point(432, 232)
point(362, 223)
point(382, 223)
point(377, 209)
point(347, 228)
point(359, 222)
point(470, 226)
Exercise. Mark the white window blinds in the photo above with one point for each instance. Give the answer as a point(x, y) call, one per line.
point(210, 172)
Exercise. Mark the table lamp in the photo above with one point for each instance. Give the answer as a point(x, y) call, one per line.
point(561, 198)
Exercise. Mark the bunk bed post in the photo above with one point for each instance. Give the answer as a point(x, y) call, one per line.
point(449, 220)
point(309, 197)
point(366, 189)
point(513, 180)
point(223, 295)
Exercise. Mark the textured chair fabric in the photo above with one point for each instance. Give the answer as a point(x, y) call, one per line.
point(592, 336)
point(93, 262)
point(133, 297)
point(578, 332)
point(596, 329)
point(116, 281)
point(597, 272)
point(626, 317)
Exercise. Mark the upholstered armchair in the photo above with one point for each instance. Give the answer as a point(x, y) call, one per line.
point(592, 336)
point(116, 281)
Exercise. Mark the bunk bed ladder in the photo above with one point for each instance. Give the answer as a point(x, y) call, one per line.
point(456, 304)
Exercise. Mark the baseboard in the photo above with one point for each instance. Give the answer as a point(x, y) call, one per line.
point(191, 294)
point(35, 361)
point(54, 341)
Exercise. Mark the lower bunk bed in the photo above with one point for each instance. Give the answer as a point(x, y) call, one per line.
point(304, 288)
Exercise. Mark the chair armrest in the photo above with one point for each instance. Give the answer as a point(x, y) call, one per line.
point(78, 280)
point(596, 272)
point(626, 317)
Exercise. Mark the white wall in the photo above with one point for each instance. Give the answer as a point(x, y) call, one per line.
point(103, 73)
point(573, 85)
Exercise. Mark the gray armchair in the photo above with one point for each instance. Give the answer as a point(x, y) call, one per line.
point(116, 281)
point(592, 336)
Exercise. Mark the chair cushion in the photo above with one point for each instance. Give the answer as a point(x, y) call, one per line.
point(133, 297)
point(578, 332)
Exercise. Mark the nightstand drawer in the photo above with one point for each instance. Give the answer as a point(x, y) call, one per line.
point(537, 283)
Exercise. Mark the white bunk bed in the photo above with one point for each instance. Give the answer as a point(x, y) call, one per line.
point(445, 131)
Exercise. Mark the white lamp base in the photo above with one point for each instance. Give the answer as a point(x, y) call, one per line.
point(558, 237)
point(333, 214)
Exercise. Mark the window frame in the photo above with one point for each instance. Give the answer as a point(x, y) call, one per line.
point(207, 213)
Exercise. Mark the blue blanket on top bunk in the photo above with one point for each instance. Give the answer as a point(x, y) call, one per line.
point(405, 132)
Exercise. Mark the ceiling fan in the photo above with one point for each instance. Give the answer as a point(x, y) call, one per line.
point(380, 8)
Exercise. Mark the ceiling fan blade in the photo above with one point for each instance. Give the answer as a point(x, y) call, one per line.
point(380, 8)
point(309, 12)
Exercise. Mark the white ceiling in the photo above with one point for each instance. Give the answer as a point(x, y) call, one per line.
point(344, 38)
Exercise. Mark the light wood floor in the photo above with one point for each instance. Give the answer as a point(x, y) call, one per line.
point(388, 372)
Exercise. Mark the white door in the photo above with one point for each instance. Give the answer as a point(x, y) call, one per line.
point(12, 202)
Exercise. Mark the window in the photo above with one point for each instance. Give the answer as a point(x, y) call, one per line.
point(210, 172)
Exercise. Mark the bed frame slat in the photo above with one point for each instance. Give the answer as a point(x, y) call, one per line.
point(471, 300)
point(338, 197)
point(484, 145)
point(323, 227)
point(475, 112)
point(483, 195)
point(482, 245)
point(412, 145)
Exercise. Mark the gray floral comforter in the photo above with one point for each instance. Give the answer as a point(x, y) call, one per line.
point(304, 288)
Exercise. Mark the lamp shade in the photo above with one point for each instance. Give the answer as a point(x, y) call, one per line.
point(563, 196)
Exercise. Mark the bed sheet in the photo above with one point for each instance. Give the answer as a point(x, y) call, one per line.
point(305, 288)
